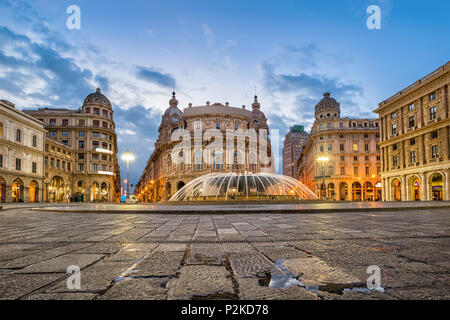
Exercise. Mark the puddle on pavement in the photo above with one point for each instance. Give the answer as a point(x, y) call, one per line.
point(281, 278)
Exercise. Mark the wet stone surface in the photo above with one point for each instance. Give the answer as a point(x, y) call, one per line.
point(239, 256)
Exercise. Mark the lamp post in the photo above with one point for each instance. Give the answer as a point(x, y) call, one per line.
point(128, 157)
point(323, 160)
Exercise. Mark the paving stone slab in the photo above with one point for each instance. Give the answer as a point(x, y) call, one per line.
point(200, 281)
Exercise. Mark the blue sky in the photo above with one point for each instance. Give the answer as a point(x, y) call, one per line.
point(291, 51)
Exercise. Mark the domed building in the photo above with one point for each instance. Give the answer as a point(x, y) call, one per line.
point(168, 171)
point(81, 152)
point(341, 160)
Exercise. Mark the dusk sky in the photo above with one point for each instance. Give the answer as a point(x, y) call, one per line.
point(139, 51)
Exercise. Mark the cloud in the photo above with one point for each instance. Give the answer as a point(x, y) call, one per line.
point(209, 36)
point(156, 77)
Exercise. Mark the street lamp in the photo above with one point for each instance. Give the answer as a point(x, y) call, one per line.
point(128, 157)
point(323, 160)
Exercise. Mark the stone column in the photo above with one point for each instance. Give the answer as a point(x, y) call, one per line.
point(402, 122)
point(404, 188)
point(422, 120)
point(26, 194)
point(424, 187)
point(445, 98)
point(381, 129)
point(445, 151)
point(446, 190)
point(8, 193)
point(422, 148)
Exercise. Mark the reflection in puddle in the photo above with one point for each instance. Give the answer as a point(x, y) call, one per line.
point(281, 278)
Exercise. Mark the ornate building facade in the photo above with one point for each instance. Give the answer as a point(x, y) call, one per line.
point(81, 152)
point(415, 128)
point(21, 155)
point(294, 144)
point(164, 175)
point(341, 160)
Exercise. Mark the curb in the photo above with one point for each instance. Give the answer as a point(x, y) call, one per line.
point(247, 211)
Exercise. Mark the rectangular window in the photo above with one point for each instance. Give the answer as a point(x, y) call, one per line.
point(343, 171)
point(411, 107)
point(355, 158)
point(341, 136)
point(96, 111)
point(52, 122)
point(82, 134)
point(1, 161)
point(81, 167)
point(342, 158)
point(411, 122)
point(95, 156)
point(95, 144)
point(65, 122)
point(433, 96)
point(81, 122)
point(330, 147)
point(95, 135)
point(367, 171)
point(34, 167)
point(81, 145)
point(367, 158)
point(104, 136)
point(105, 125)
point(52, 134)
point(65, 133)
point(366, 147)
point(435, 151)
point(355, 147)
point(105, 113)
point(65, 142)
point(95, 167)
point(412, 141)
point(393, 115)
point(355, 171)
point(342, 147)
point(432, 113)
point(394, 161)
point(434, 134)
point(96, 123)
point(58, 164)
point(378, 158)
point(394, 128)
point(378, 170)
point(81, 156)
point(394, 147)
point(412, 157)
point(18, 164)
point(52, 162)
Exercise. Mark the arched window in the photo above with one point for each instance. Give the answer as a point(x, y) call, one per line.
point(181, 160)
point(18, 135)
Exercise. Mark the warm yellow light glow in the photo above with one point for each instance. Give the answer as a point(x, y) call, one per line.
point(128, 156)
point(373, 176)
point(323, 159)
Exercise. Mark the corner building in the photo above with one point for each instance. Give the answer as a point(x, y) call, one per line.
point(81, 153)
point(163, 176)
point(415, 128)
point(21, 155)
point(353, 166)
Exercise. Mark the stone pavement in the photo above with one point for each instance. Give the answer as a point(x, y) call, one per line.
point(238, 256)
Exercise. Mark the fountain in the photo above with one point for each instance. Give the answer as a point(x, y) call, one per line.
point(230, 186)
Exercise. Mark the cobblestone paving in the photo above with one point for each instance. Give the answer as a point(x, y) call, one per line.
point(239, 256)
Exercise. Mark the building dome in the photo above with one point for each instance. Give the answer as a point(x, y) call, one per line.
point(173, 109)
point(328, 107)
point(231, 186)
point(97, 98)
point(258, 117)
